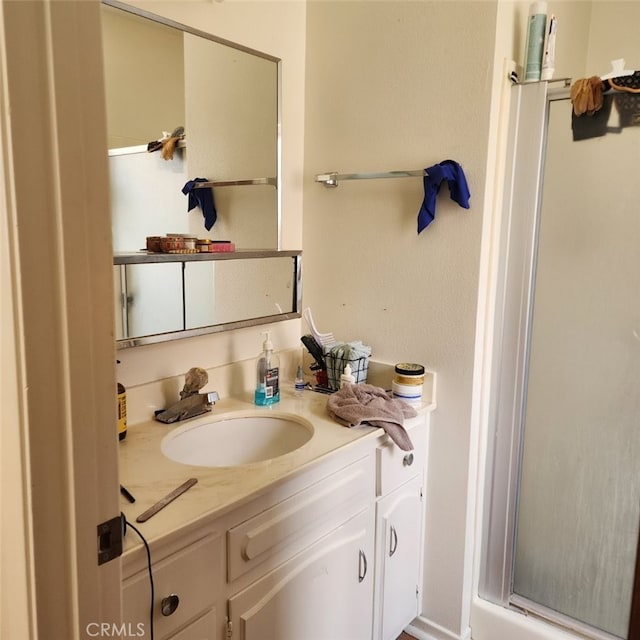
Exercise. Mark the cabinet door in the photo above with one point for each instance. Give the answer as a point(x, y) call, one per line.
point(186, 585)
point(398, 558)
point(205, 628)
point(323, 593)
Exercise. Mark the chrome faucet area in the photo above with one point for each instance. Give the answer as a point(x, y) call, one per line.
point(191, 403)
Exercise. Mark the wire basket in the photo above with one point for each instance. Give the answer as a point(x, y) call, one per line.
point(336, 365)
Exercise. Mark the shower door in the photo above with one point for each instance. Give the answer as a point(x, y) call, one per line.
point(579, 493)
point(561, 520)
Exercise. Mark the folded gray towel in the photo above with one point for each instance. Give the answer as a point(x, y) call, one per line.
point(356, 404)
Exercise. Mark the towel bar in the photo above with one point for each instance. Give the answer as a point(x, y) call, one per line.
point(332, 179)
point(237, 183)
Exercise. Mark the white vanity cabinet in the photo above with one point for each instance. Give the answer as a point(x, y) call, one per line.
point(331, 553)
point(303, 568)
point(323, 593)
point(399, 533)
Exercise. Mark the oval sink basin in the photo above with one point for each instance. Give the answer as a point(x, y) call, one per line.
point(237, 440)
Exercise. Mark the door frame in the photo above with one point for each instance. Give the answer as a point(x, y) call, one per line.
point(58, 447)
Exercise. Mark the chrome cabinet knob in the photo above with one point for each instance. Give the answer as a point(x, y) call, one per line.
point(169, 604)
point(407, 461)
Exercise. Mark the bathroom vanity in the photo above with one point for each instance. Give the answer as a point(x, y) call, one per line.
point(322, 543)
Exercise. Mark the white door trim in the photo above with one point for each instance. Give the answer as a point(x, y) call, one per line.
point(58, 386)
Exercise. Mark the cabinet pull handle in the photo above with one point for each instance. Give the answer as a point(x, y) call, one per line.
point(362, 566)
point(394, 541)
point(407, 461)
point(169, 604)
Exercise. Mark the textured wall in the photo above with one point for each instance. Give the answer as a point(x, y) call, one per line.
point(403, 85)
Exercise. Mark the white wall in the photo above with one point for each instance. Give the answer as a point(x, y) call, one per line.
point(404, 85)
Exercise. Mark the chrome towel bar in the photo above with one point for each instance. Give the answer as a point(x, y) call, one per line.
point(237, 183)
point(332, 179)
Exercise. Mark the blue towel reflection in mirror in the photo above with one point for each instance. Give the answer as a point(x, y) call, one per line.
point(447, 171)
point(202, 198)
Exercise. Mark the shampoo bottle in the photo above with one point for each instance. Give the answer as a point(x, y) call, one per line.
point(536, 28)
point(267, 375)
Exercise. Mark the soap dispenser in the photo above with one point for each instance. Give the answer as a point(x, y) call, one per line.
point(267, 375)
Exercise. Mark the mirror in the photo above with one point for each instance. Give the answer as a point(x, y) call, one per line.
point(161, 300)
point(160, 75)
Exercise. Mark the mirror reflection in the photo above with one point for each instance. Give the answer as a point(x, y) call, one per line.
point(159, 76)
point(167, 297)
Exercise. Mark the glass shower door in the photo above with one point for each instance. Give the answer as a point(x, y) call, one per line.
point(579, 496)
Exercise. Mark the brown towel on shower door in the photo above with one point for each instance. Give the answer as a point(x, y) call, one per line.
point(356, 404)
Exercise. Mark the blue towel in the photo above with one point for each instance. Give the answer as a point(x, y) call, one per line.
point(454, 175)
point(202, 198)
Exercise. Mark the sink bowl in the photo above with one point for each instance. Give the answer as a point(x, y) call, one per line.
point(236, 440)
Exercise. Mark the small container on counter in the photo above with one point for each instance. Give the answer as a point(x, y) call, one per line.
point(408, 381)
point(190, 244)
point(299, 382)
point(222, 246)
point(178, 243)
point(172, 244)
point(154, 244)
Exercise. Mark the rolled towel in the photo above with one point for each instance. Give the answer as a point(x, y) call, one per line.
point(357, 404)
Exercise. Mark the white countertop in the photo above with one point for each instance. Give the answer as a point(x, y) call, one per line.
point(149, 476)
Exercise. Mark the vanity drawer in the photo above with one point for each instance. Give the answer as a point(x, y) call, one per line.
point(278, 533)
point(395, 466)
point(191, 574)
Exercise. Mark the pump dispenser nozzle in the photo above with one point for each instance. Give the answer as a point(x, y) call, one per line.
point(267, 345)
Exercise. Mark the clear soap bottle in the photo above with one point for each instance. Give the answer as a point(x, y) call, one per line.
point(267, 375)
point(347, 377)
point(299, 382)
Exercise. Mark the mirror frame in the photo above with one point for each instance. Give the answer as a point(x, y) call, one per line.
point(295, 255)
